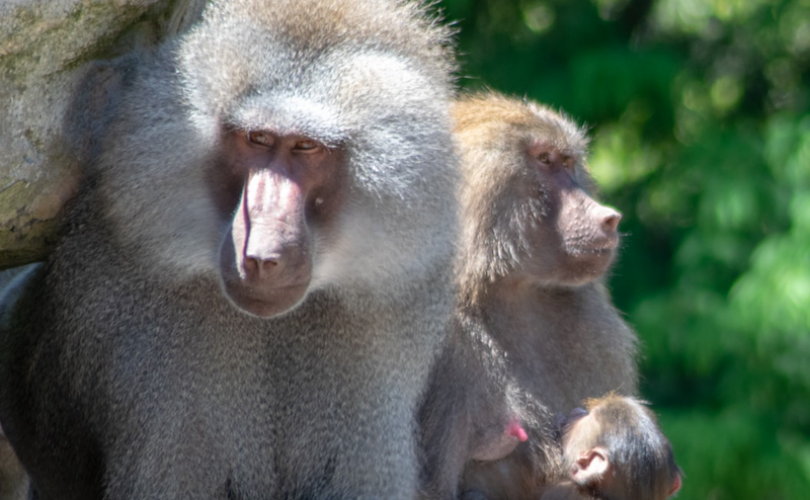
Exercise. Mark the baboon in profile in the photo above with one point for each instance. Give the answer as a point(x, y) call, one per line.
point(255, 278)
point(535, 246)
point(614, 449)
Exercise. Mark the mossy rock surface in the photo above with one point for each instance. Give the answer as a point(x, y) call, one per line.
point(51, 51)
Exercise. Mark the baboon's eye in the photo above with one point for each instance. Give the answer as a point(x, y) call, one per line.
point(306, 146)
point(260, 138)
point(569, 163)
point(545, 159)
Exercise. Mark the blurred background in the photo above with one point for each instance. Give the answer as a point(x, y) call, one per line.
point(698, 111)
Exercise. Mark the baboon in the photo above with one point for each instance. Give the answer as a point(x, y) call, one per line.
point(255, 277)
point(534, 248)
point(471, 410)
point(613, 449)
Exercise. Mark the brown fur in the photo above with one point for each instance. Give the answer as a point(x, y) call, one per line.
point(473, 411)
point(534, 249)
point(565, 340)
point(616, 451)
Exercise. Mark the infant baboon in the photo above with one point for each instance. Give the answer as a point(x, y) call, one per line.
point(613, 449)
point(535, 245)
point(255, 279)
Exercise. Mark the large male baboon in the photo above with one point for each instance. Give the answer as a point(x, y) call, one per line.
point(255, 278)
point(534, 247)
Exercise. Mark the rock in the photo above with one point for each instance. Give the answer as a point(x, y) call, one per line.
point(56, 85)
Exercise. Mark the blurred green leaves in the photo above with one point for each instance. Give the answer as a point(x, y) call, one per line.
point(698, 111)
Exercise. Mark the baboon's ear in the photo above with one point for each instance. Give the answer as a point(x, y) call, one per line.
point(676, 484)
point(591, 466)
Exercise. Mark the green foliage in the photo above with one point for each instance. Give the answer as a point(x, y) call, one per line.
point(751, 458)
point(701, 137)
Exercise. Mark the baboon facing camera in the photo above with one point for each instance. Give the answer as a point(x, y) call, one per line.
point(255, 278)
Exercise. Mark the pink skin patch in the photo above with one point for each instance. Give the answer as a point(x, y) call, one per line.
point(516, 430)
point(676, 485)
